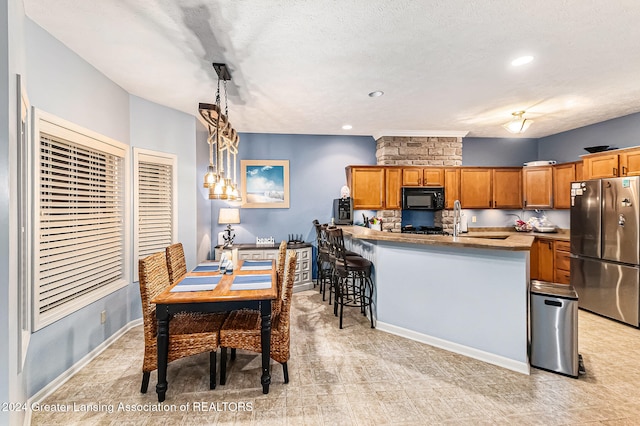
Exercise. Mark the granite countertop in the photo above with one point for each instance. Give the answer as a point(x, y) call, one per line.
point(494, 240)
point(561, 235)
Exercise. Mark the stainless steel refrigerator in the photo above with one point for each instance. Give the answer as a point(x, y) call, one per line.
point(605, 244)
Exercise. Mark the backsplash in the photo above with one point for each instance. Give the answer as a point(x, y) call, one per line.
point(418, 151)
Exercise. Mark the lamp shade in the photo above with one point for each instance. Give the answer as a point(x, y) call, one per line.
point(518, 123)
point(226, 215)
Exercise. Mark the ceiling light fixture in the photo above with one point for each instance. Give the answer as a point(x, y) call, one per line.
point(347, 127)
point(518, 123)
point(521, 60)
point(376, 94)
point(226, 141)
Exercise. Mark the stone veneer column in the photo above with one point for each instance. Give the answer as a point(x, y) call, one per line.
point(417, 151)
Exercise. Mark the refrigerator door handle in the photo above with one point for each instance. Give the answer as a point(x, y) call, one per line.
point(621, 219)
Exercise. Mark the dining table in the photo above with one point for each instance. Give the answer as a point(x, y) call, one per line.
point(251, 285)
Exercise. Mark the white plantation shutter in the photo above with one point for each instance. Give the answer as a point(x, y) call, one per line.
point(80, 229)
point(155, 202)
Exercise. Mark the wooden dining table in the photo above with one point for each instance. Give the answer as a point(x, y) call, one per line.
point(221, 299)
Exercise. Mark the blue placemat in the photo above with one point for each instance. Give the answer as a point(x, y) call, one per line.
point(207, 267)
point(251, 282)
point(256, 265)
point(197, 284)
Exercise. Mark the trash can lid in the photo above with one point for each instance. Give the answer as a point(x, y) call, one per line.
point(545, 288)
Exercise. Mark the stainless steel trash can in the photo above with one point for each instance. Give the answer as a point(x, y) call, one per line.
point(554, 328)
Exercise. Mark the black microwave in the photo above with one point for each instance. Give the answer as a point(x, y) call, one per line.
point(423, 198)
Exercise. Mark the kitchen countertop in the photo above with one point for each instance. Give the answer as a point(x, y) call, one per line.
point(561, 235)
point(495, 240)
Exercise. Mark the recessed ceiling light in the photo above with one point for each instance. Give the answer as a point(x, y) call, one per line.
point(347, 127)
point(376, 94)
point(522, 60)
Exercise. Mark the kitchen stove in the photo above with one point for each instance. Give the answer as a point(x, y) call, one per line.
point(429, 230)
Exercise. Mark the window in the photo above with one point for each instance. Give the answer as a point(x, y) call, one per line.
point(80, 225)
point(155, 202)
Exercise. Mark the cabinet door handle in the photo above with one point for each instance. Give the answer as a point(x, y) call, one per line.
point(525, 203)
point(624, 171)
point(419, 181)
point(615, 171)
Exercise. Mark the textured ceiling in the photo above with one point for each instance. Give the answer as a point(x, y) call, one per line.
point(306, 66)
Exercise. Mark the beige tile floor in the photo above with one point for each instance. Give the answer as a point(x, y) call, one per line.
point(360, 376)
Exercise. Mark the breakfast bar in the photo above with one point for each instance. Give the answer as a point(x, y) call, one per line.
point(466, 295)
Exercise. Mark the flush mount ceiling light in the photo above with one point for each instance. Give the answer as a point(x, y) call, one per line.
point(347, 127)
point(376, 94)
point(522, 60)
point(518, 123)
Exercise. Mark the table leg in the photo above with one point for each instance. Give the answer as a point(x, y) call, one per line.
point(163, 351)
point(265, 336)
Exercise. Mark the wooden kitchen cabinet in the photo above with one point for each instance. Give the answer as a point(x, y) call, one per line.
point(629, 162)
point(562, 259)
point(600, 166)
point(538, 187)
point(367, 184)
point(546, 259)
point(507, 188)
point(451, 186)
point(422, 176)
point(393, 188)
point(563, 175)
point(475, 188)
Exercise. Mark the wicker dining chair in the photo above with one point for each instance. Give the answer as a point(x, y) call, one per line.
point(280, 263)
point(189, 333)
point(241, 330)
point(176, 263)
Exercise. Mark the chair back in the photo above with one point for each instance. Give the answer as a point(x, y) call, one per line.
point(321, 237)
point(176, 263)
point(154, 279)
point(280, 264)
point(335, 239)
point(289, 278)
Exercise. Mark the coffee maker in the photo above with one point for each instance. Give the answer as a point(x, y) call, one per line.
point(343, 211)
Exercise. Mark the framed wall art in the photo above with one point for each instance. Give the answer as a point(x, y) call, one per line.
point(265, 184)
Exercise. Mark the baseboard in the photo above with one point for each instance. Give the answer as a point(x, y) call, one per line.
point(303, 287)
point(62, 378)
point(500, 361)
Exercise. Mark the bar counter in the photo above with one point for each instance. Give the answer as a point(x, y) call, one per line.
point(465, 295)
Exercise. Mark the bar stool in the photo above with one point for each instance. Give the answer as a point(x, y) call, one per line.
point(351, 277)
point(322, 258)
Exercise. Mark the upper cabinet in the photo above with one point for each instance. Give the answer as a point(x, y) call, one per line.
point(507, 188)
point(422, 176)
point(475, 188)
point(393, 191)
point(621, 162)
point(538, 187)
point(367, 187)
point(375, 187)
point(563, 175)
point(487, 187)
point(451, 186)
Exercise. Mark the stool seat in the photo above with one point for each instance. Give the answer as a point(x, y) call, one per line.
point(354, 263)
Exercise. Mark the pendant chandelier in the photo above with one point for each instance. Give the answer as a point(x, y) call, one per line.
point(223, 142)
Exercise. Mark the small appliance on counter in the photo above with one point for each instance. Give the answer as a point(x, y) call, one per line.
point(343, 211)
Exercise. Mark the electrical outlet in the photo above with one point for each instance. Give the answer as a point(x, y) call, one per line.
point(473, 219)
point(103, 317)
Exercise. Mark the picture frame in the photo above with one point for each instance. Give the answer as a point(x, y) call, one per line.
point(265, 184)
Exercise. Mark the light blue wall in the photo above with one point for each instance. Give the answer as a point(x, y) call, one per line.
point(61, 83)
point(166, 130)
point(498, 151)
point(203, 204)
point(316, 174)
point(5, 197)
point(622, 132)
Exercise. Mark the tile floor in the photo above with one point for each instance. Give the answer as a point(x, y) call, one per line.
point(360, 376)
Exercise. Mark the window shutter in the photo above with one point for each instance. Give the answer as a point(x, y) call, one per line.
point(80, 235)
point(155, 207)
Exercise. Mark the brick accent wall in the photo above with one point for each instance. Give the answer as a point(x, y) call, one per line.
point(418, 151)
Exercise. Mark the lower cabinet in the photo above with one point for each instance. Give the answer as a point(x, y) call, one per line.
point(549, 261)
point(303, 279)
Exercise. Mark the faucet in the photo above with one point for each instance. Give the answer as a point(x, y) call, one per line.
point(456, 218)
